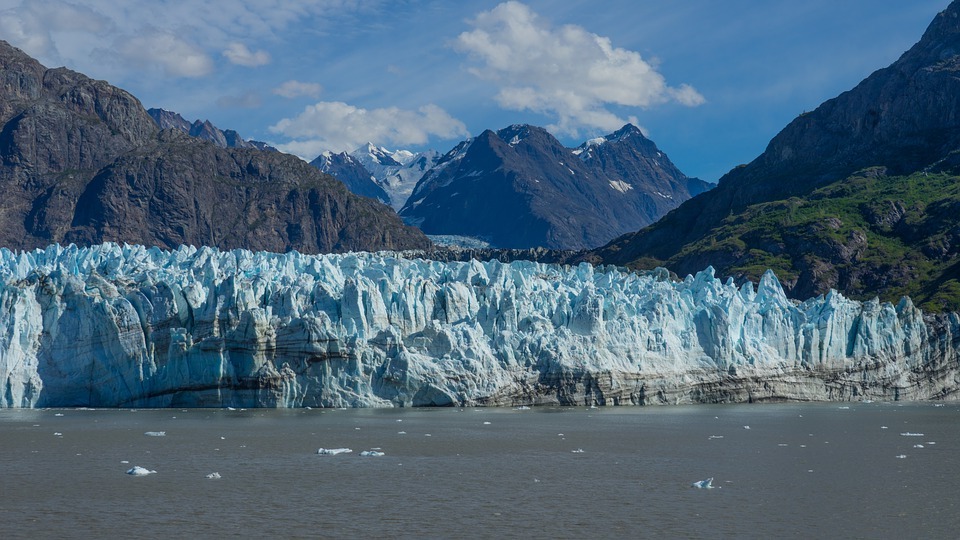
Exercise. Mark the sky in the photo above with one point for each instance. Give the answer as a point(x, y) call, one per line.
point(709, 82)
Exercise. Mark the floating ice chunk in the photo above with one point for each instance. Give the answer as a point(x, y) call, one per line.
point(715, 437)
point(59, 414)
point(125, 462)
point(58, 434)
point(521, 408)
point(844, 408)
point(884, 427)
point(909, 434)
point(486, 423)
point(401, 433)
point(703, 484)
point(918, 446)
point(371, 453)
point(577, 451)
point(902, 456)
point(333, 451)
point(140, 471)
point(214, 476)
point(156, 433)
point(746, 427)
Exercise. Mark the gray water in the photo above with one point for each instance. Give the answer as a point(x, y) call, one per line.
point(799, 471)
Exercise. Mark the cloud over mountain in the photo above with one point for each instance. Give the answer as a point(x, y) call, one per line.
point(340, 127)
point(566, 72)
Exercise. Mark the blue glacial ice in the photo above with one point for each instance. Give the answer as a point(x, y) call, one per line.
point(132, 326)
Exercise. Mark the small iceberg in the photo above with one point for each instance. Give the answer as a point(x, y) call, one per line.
point(703, 484)
point(577, 451)
point(908, 434)
point(214, 476)
point(333, 451)
point(371, 453)
point(156, 433)
point(140, 471)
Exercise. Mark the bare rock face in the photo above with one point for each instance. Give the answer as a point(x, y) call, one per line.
point(82, 161)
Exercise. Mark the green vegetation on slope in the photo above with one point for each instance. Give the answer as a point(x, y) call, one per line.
point(867, 235)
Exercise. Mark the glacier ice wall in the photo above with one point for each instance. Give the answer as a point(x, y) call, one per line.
point(136, 327)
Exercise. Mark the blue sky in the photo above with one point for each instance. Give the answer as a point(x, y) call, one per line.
point(710, 82)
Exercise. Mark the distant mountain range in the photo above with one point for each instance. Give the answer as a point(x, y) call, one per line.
point(205, 131)
point(374, 171)
point(519, 187)
point(861, 194)
point(82, 161)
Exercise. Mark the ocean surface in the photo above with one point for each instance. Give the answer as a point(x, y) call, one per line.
point(858, 470)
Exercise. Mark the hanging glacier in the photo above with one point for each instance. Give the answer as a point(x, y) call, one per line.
point(130, 326)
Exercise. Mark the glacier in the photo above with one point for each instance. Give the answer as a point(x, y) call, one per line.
point(130, 326)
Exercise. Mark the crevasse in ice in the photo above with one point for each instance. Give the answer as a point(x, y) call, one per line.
point(132, 326)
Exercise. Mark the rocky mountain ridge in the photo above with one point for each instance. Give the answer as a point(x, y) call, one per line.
point(82, 161)
point(520, 187)
point(838, 178)
point(205, 130)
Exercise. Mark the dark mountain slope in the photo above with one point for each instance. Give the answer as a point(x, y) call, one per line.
point(839, 159)
point(520, 188)
point(352, 173)
point(82, 161)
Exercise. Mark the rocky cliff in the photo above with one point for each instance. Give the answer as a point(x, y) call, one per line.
point(129, 326)
point(82, 161)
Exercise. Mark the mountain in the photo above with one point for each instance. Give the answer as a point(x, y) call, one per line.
point(82, 161)
point(861, 194)
point(127, 326)
point(205, 130)
point(393, 174)
point(396, 172)
point(352, 173)
point(520, 187)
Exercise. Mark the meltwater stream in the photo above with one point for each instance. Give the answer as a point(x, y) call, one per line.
point(873, 470)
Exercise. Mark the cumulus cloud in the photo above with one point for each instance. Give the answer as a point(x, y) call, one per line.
point(567, 72)
point(238, 53)
point(174, 55)
point(32, 26)
point(106, 38)
point(339, 127)
point(293, 89)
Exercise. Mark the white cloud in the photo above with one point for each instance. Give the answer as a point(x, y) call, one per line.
point(174, 55)
point(83, 34)
point(293, 89)
point(239, 54)
point(32, 26)
point(339, 127)
point(565, 72)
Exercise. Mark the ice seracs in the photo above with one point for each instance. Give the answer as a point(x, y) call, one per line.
point(130, 326)
point(703, 484)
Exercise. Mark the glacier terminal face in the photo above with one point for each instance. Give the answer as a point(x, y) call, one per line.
point(129, 326)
